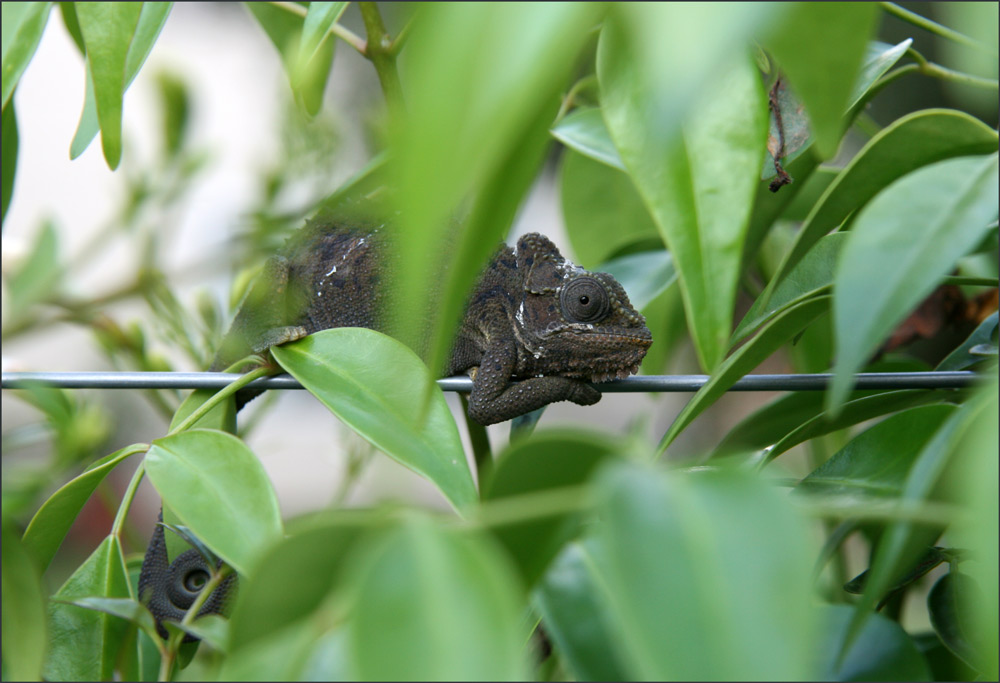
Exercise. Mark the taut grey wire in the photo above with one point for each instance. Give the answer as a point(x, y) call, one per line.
point(645, 383)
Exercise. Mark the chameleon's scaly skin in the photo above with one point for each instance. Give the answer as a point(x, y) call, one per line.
point(537, 329)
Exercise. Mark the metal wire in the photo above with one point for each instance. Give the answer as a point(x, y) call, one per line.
point(645, 383)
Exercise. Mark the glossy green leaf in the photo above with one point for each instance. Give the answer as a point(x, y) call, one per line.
point(876, 462)
point(962, 358)
point(84, 644)
point(922, 224)
point(107, 31)
point(855, 412)
point(125, 608)
point(52, 521)
point(902, 542)
point(644, 275)
point(138, 45)
point(218, 488)
point(291, 578)
point(432, 604)
point(771, 337)
point(882, 652)
point(879, 58)
point(9, 157)
point(221, 417)
point(547, 461)
point(810, 277)
point(24, 636)
point(909, 143)
point(694, 575)
point(570, 598)
point(23, 25)
point(501, 68)
point(820, 48)
point(584, 131)
point(974, 486)
point(602, 210)
point(698, 186)
point(284, 656)
point(380, 401)
point(319, 18)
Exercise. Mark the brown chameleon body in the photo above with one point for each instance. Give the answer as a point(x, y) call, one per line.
point(536, 329)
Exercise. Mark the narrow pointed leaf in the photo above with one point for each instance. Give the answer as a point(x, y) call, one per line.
point(9, 154)
point(23, 25)
point(922, 225)
point(217, 487)
point(372, 383)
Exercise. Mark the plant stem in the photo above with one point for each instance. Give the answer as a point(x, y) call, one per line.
point(336, 29)
point(219, 396)
point(934, 27)
point(133, 486)
point(379, 50)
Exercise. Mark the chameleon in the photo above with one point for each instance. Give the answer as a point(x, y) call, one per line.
point(536, 329)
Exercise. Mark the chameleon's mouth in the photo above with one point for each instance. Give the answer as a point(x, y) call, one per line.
point(614, 374)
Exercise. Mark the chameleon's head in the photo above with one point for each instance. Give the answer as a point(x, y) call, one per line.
point(573, 322)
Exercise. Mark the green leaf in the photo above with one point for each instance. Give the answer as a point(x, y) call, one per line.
point(810, 277)
point(644, 275)
point(9, 154)
point(876, 462)
point(771, 337)
point(882, 652)
point(698, 187)
point(291, 577)
point(962, 358)
point(820, 48)
point(948, 604)
point(319, 18)
point(107, 31)
point(23, 25)
point(72, 24)
point(432, 604)
point(138, 44)
point(910, 142)
point(372, 383)
point(602, 210)
point(221, 417)
point(125, 608)
point(903, 542)
point(584, 131)
point(545, 462)
point(24, 636)
point(284, 656)
point(879, 58)
point(501, 68)
point(695, 578)
point(218, 488)
point(922, 224)
point(54, 518)
point(855, 412)
point(84, 644)
point(570, 598)
point(37, 277)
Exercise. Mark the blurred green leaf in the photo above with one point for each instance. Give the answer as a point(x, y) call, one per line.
point(284, 28)
point(176, 105)
point(36, 278)
point(284, 656)
point(500, 69)
point(84, 644)
point(211, 629)
point(24, 636)
point(584, 131)
point(962, 358)
point(319, 18)
point(910, 142)
point(379, 402)
point(948, 604)
point(9, 156)
point(694, 575)
point(78, 426)
point(218, 488)
point(23, 25)
point(644, 275)
point(876, 462)
point(698, 186)
point(431, 604)
point(810, 277)
point(882, 652)
point(546, 462)
point(107, 30)
point(602, 210)
point(571, 600)
point(54, 518)
point(771, 337)
point(137, 45)
point(72, 24)
point(922, 224)
point(820, 48)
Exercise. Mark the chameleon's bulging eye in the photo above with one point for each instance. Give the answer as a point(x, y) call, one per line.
point(195, 580)
point(584, 300)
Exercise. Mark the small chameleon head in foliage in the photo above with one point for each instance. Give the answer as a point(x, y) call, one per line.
point(573, 322)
